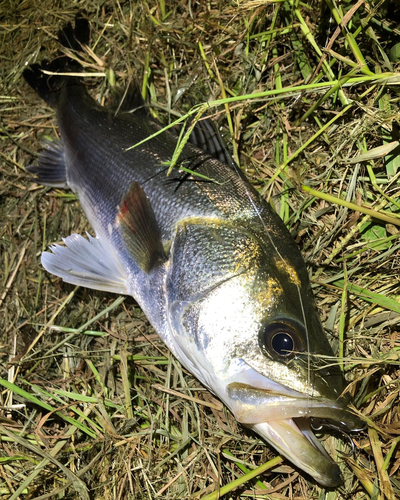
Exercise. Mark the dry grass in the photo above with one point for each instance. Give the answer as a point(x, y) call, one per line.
point(92, 404)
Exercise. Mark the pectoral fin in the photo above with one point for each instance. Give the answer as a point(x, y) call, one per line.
point(139, 229)
point(91, 263)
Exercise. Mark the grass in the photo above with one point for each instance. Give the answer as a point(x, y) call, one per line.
point(92, 403)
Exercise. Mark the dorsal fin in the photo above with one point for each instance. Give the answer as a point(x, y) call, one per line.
point(128, 100)
point(207, 137)
point(139, 229)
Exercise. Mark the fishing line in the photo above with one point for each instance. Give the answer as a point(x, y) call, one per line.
point(231, 162)
point(235, 167)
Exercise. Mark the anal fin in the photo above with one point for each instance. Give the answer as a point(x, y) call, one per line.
point(90, 263)
point(51, 169)
point(139, 229)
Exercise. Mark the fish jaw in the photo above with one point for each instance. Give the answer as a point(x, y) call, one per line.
point(292, 443)
point(283, 417)
point(287, 427)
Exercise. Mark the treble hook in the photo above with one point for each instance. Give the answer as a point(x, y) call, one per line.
point(318, 425)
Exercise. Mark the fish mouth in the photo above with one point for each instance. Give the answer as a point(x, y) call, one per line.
point(295, 440)
point(284, 418)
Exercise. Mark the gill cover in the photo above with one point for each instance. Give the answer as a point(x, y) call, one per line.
point(230, 297)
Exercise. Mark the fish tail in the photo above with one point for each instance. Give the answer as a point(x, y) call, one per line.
point(75, 37)
point(45, 78)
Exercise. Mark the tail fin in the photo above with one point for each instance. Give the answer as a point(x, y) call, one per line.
point(48, 86)
point(74, 38)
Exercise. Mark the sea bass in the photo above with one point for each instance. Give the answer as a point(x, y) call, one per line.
point(212, 266)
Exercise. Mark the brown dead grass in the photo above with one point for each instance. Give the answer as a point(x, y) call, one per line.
point(87, 409)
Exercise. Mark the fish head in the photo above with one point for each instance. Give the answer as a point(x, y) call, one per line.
point(243, 319)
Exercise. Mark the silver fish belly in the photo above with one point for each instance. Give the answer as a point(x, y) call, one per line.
point(212, 266)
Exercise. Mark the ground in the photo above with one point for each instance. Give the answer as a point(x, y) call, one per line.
point(92, 404)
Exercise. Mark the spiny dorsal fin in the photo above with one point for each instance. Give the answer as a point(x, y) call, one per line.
point(128, 100)
point(139, 229)
point(207, 137)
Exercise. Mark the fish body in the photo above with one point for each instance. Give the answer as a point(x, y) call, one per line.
point(212, 266)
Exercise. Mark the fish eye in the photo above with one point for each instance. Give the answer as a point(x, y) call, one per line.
point(281, 339)
point(282, 343)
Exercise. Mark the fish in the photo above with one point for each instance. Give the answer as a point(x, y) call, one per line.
point(211, 264)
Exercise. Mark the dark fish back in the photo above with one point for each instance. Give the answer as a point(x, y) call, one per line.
point(100, 166)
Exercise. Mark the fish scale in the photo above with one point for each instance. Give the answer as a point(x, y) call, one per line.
point(212, 266)
point(227, 197)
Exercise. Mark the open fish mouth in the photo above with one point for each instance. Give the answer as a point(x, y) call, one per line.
point(285, 419)
point(295, 440)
